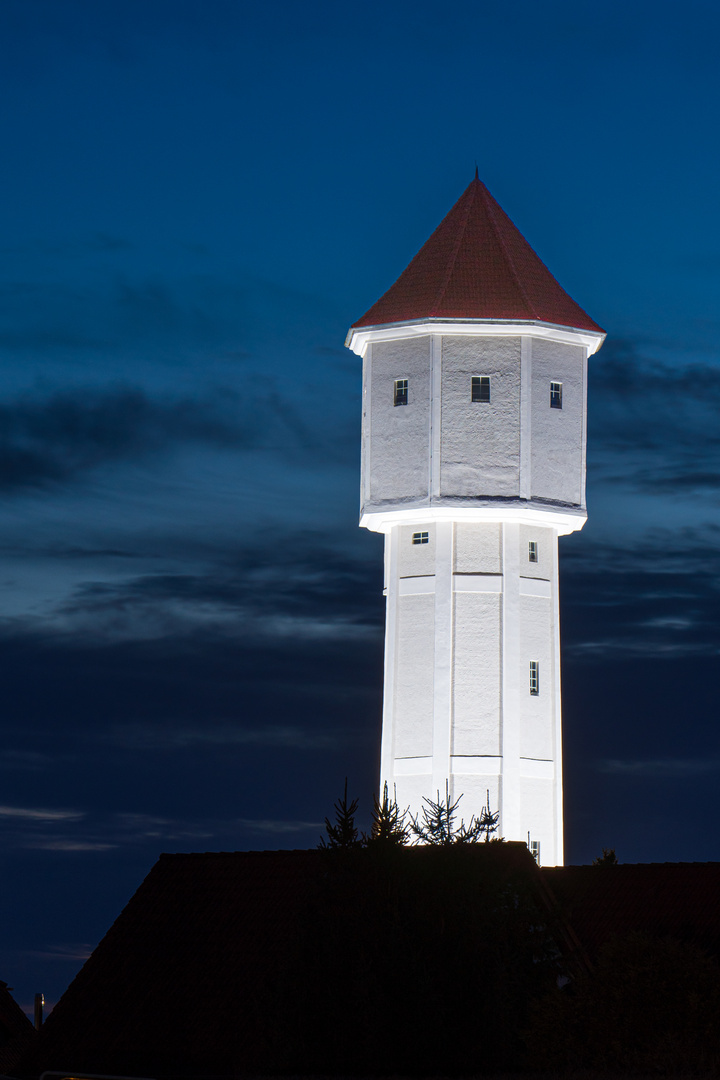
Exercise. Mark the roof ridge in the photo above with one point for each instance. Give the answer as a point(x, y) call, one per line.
point(456, 249)
point(501, 240)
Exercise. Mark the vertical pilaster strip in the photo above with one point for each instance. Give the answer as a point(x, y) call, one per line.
point(583, 437)
point(387, 744)
point(514, 680)
point(435, 413)
point(558, 855)
point(442, 688)
point(525, 416)
point(366, 461)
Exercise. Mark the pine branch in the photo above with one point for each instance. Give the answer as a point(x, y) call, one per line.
point(389, 825)
point(343, 834)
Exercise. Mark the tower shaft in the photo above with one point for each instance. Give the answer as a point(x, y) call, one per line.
point(472, 672)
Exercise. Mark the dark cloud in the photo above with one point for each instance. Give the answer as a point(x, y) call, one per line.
point(50, 440)
point(199, 695)
point(653, 426)
point(657, 597)
point(285, 586)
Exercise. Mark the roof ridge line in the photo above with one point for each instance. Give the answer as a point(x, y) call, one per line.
point(456, 249)
point(506, 253)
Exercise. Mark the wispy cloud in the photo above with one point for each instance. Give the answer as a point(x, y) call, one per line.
point(269, 826)
point(73, 952)
point(96, 834)
point(674, 768)
point(279, 589)
point(37, 814)
point(207, 733)
point(54, 843)
point(25, 760)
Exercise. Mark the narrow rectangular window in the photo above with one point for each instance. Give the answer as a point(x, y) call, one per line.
point(401, 392)
point(421, 538)
point(534, 846)
point(534, 678)
point(532, 551)
point(480, 388)
point(556, 395)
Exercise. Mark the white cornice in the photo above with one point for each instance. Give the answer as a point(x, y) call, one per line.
point(359, 338)
point(564, 522)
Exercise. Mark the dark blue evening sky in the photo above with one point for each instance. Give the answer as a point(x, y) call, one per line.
point(198, 199)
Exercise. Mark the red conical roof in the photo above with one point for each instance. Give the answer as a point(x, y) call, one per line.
point(477, 265)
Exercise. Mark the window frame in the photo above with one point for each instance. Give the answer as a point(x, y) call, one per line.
point(534, 678)
point(400, 392)
point(532, 551)
point(481, 384)
point(421, 538)
point(556, 395)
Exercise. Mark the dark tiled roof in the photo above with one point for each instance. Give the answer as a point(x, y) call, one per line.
point(283, 962)
point(252, 962)
point(16, 1031)
point(678, 900)
point(477, 265)
point(169, 982)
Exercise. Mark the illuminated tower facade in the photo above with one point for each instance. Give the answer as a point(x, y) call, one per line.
point(473, 464)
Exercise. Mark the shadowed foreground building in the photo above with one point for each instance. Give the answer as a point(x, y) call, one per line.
point(420, 960)
point(16, 1031)
point(473, 464)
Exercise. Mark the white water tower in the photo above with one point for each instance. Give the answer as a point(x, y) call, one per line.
point(473, 463)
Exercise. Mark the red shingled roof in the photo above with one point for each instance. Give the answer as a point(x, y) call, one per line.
point(477, 265)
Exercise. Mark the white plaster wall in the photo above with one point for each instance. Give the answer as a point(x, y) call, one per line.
point(474, 791)
point(536, 643)
point(478, 548)
point(476, 674)
point(415, 560)
point(415, 654)
point(538, 817)
point(480, 442)
point(546, 541)
point(410, 791)
point(557, 434)
point(398, 459)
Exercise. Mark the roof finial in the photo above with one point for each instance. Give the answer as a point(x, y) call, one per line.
point(477, 176)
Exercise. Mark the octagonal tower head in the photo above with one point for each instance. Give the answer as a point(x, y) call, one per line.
point(475, 381)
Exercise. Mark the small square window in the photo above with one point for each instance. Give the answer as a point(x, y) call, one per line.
point(421, 538)
point(534, 678)
point(401, 392)
point(556, 395)
point(532, 551)
point(480, 388)
point(534, 846)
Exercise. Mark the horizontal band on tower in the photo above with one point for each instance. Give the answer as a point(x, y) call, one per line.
point(534, 587)
point(481, 765)
point(474, 583)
